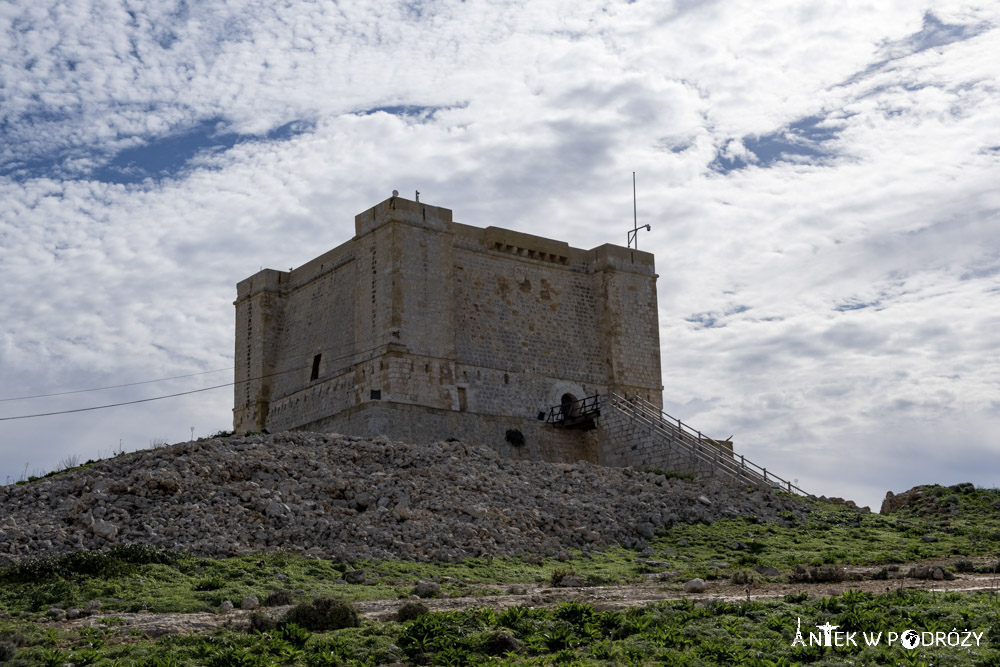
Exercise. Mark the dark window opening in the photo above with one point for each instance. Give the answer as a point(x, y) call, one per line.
point(315, 370)
point(462, 405)
point(376, 395)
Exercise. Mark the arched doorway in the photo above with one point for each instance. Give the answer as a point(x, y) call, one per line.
point(568, 404)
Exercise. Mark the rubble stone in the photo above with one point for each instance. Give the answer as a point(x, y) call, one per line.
point(352, 499)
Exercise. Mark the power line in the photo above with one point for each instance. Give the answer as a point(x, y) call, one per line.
point(193, 391)
point(188, 375)
point(178, 377)
point(115, 405)
point(114, 386)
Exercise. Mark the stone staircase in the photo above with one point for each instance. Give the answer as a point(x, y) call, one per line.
point(639, 434)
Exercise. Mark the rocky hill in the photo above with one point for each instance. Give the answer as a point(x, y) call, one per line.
point(353, 498)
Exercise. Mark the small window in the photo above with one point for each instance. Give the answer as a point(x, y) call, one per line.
point(376, 394)
point(315, 371)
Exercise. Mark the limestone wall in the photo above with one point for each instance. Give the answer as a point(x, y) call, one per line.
point(414, 423)
point(472, 328)
point(623, 442)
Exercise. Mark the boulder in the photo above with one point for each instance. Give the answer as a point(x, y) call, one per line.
point(428, 589)
point(105, 529)
point(355, 576)
point(694, 586)
point(572, 581)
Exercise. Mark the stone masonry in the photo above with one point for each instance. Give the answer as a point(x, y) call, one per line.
point(421, 328)
point(628, 442)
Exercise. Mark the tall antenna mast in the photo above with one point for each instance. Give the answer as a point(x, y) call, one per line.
point(633, 235)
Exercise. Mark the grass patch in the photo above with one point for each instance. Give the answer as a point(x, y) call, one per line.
point(757, 633)
point(960, 524)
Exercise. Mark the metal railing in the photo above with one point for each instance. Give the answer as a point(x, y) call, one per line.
point(583, 409)
point(698, 446)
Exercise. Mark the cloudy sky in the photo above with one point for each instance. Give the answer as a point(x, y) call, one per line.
point(821, 179)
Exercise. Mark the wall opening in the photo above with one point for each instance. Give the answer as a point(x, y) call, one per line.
point(462, 401)
point(568, 404)
point(315, 369)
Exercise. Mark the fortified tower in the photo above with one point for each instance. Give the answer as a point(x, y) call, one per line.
point(421, 329)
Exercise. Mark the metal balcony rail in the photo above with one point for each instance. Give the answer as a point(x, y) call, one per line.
point(699, 446)
point(575, 414)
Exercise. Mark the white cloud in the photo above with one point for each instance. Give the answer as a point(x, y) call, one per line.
point(824, 308)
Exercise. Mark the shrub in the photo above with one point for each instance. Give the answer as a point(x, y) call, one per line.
point(410, 611)
point(262, 623)
point(293, 634)
point(120, 560)
point(965, 566)
point(500, 642)
point(7, 651)
point(278, 599)
point(514, 437)
point(323, 614)
point(742, 578)
point(212, 584)
point(558, 574)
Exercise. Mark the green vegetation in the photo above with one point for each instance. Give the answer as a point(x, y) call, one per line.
point(324, 614)
point(958, 527)
point(681, 632)
point(135, 577)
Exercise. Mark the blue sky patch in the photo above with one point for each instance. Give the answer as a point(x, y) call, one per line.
point(166, 156)
point(805, 140)
point(705, 320)
point(412, 111)
point(161, 157)
point(934, 33)
point(712, 319)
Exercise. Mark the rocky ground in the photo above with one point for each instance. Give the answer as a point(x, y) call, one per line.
point(354, 498)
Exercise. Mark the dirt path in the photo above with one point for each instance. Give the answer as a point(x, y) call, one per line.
point(601, 597)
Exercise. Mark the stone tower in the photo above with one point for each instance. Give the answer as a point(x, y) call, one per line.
point(421, 328)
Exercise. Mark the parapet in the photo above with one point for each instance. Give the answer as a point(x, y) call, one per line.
point(397, 209)
point(526, 245)
point(263, 281)
point(616, 258)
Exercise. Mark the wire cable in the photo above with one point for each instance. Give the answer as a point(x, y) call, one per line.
point(192, 391)
point(114, 386)
point(115, 405)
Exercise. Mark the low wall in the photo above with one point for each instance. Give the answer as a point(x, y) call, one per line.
point(416, 424)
